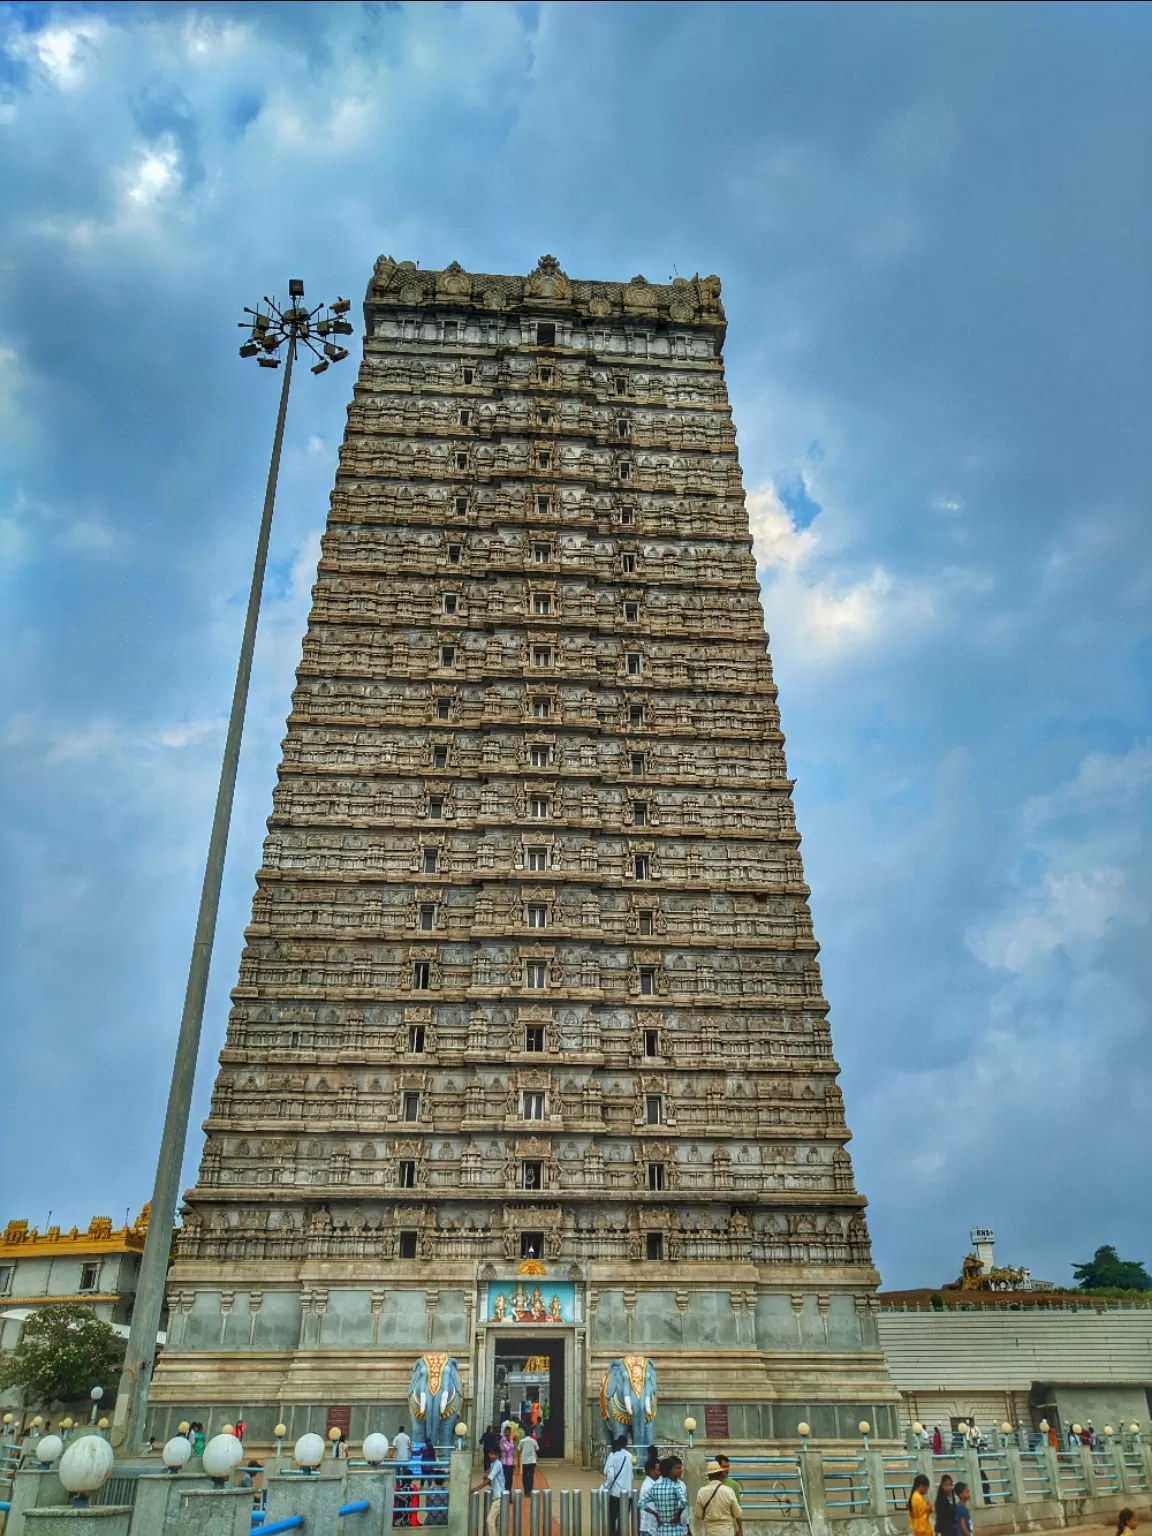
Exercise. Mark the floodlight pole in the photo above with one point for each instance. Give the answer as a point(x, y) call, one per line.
point(132, 1396)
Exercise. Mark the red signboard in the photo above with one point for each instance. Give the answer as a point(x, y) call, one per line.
point(341, 1419)
point(716, 1421)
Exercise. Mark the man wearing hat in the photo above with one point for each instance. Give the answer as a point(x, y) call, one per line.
point(717, 1507)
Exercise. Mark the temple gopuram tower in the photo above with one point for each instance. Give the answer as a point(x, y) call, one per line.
point(529, 1062)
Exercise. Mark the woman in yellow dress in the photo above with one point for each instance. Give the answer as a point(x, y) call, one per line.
point(919, 1509)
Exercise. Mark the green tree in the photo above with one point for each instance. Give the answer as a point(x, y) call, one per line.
point(64, 1351)
point(1106, 1270)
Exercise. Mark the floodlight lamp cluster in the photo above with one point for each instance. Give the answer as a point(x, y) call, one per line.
point(271, 327)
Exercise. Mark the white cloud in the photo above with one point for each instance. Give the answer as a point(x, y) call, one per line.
point(190, 733)
point(156, 174)
point(824, 611)
point(90, 741)
point(1081, 876)
point(61, 48)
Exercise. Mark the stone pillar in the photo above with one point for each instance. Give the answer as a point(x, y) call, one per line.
point(158, 1496)
point(1015, 1473)
point(812, 1472)
point(208, 1512)
point(1091, 1486)
point(878, 1494)
point(32, 1488)
point(377, 1485)
point(67, 1520)
point(316, 1498)
point(1053, 1463)
point(459, 1482)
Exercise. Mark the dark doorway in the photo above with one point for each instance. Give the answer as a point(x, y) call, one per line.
point(528, 1387)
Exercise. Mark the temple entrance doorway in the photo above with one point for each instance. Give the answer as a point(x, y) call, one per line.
point(528, 1388)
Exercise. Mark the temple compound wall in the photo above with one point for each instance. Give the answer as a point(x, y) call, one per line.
point(530, 995)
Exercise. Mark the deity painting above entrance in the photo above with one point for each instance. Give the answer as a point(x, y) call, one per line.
point(515, 1301)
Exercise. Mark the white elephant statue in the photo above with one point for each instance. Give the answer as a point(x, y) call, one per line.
point(628, 1397)
point(435, 1398)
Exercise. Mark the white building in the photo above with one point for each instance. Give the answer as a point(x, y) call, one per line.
point(988, 1364)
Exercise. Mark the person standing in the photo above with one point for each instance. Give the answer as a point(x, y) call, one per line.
point(963, 1513)
point(617, 1482)
point(508, 1455)
point(402, 1444)
point(945, 1508)
point(493, 1480)
point(199, 1439)
point(651, 1477)
point(937, 1442)
point(529, 1449)
point(729, 1480)
point(717, 1507)
point(490, 1443)
point(919, 1509)
point(667, 1498)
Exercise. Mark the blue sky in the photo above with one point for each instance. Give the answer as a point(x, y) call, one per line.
point(933, 227)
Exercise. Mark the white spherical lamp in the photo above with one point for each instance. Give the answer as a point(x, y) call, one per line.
point(67, 1423)
point(183, 1427)
point(1077, 1429)
point(1134, 1429)
point(85, 1465)
point(1043, 1426)
point(280, 1431)
point(961, 1429)
point(96, 1394)
point(227, 1429)
point(803, 1429)
point(1108, 1430)
point(864, 1427)
point(334, 1434)
point(917, 1427)
point(101, 1423)
point(8, 1417)
point(460, 1431)
point(176, 1452)
point(1006, 1428)
point(49, 1449)
point(308, 1452)
point(222, 1455)
point(375, 1448)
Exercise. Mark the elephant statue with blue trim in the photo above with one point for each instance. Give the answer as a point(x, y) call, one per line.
point(628, 1397)
point(435, 1398)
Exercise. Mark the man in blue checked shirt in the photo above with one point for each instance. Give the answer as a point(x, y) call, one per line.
point(667, 1498)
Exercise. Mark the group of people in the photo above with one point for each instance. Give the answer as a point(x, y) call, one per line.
point(949, 1514)
point(663, 1501)
point(504, 1452)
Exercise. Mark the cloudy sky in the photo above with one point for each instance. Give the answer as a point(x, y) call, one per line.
point(933, 227)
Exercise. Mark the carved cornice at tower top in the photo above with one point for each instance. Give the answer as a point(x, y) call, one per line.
point(686, 301)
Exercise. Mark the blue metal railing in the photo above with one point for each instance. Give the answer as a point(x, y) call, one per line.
point(296, 1522)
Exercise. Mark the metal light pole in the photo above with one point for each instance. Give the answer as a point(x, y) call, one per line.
point(270, 328)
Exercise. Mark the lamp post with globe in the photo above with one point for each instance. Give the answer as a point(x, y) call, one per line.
point(276, 333)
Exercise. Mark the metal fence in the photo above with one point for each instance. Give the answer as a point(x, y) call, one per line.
point(1105, 1471)
point(899, 1474)
point(1134, 1469)
point(1034, 1475)
point(420, 1493)
point(846, 1484)
point(770, 1487)
point(995, 1477)
point(1073, 1484)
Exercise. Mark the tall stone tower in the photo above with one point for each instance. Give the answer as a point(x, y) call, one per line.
point(528, 1062)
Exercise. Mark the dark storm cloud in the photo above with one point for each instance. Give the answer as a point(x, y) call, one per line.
point(933, 226)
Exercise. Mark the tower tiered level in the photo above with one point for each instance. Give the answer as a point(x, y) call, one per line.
point(529, 1060)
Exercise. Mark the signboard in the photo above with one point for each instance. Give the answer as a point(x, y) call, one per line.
point(341, 1419)
point(535, 1301)
point(716, 1421)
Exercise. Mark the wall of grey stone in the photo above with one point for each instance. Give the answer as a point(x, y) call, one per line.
point(709, 1322)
